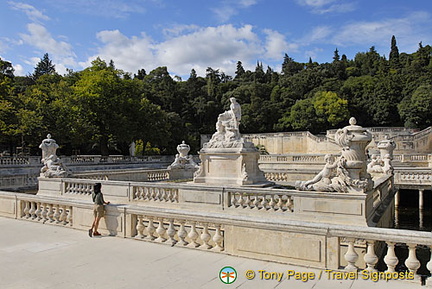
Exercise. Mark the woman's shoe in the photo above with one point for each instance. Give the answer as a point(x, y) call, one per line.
point(90, 233)
point(96, 234)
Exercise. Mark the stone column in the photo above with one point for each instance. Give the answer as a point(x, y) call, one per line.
point(421, 201)
point(397, 199)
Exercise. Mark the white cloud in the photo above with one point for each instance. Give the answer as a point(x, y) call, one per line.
point(31, 12)
point(229, 8)
point(59, 51)
point(107, 8)
point(381, 31)
point(217, 47)
point(276, 45)
point(328, 6)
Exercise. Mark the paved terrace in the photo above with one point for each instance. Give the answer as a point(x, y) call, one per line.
point(34, 255)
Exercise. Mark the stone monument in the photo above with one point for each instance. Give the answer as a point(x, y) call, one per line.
point(348, 173)
point(227, 159)
point(53, 166)
point(183, 166)
point(381, 164)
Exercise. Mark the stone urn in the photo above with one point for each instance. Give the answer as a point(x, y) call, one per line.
point(183, 149)
point(353, 139)
point(386, 147)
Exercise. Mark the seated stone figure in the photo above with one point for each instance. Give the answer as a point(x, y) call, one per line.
point(227, 133)
point(53, 168)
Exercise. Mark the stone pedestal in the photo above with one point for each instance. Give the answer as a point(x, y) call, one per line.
point(230, 166)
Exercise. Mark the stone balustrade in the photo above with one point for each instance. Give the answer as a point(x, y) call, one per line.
point(264, 201)
point(327, 246)
point(181, 232)
point(137, 175)
point(300, 205)
point(155, 193)
point(413, 178)
point(18, 181)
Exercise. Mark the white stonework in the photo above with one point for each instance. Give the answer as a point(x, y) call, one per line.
point(348, 174)
point(227, 159)
point(53, 166)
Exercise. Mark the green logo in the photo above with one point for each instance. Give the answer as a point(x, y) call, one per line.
point(227, 275)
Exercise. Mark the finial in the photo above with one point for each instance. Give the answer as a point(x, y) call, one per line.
point(352, 121)
point(48, 136)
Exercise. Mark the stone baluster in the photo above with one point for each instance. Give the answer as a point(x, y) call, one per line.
point(44, 213)
point(234, 199)
point(26, 209)
point(140, 228)
point(249, 202)
point(70, 217)
point(205, 237)
point(57, 214)
point(32, 210)
point(412, 262)
point(290, 204)
point(63, 215)
point(391, 259)
point(182, 233)
point(351, 256)
point(193, 235)
point(257, 202)
point(171, 232)
point(242, 200)
point(150, 230)
point(272, 203)
point(160, 231)
point(429, 264)
point(280, 203)
point(370, 257)
point(38, 212)
point(265, 203)
point(218, 239)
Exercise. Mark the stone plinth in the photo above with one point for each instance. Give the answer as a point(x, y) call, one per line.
point(230, 166)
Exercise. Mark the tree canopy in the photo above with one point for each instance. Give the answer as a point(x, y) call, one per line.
point(102, 109)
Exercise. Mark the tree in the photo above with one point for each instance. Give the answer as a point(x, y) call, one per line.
point(239, 71)
point(394, 54)
point(330, 107)
point(105, 108)
point(290, 67)
point(44, 66)
point(416, 110)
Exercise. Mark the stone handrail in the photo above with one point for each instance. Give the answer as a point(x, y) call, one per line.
point(18, 181)
point(142, 175)
point(220, 231)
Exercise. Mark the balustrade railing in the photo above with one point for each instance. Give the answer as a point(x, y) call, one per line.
point(155, 193)
point(18, 181)
point(46, 212)
point(180, 232)
point(264, 201)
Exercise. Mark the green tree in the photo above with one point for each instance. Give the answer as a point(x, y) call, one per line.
point(416, 110)
point(44, 66)
point(330, 107)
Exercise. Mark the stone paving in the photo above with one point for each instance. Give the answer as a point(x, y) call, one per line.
point(33, 255)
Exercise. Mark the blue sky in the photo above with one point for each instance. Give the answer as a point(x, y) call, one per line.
point(198, 34)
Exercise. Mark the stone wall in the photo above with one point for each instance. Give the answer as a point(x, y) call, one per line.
point(407, 141)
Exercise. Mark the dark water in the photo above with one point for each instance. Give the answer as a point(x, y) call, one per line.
point(408, 214)
point(409, 217)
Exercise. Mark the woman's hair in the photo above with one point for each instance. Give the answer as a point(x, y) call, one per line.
point(97, 188)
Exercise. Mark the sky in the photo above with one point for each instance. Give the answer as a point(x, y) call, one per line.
point(197, 34)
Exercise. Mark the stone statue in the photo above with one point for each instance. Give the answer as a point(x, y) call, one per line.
point(348, 173)
point(227, 133)
point(49, 147)
point(182, 159)
point(53, 166)
point(381, 164)
point(132, 148)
